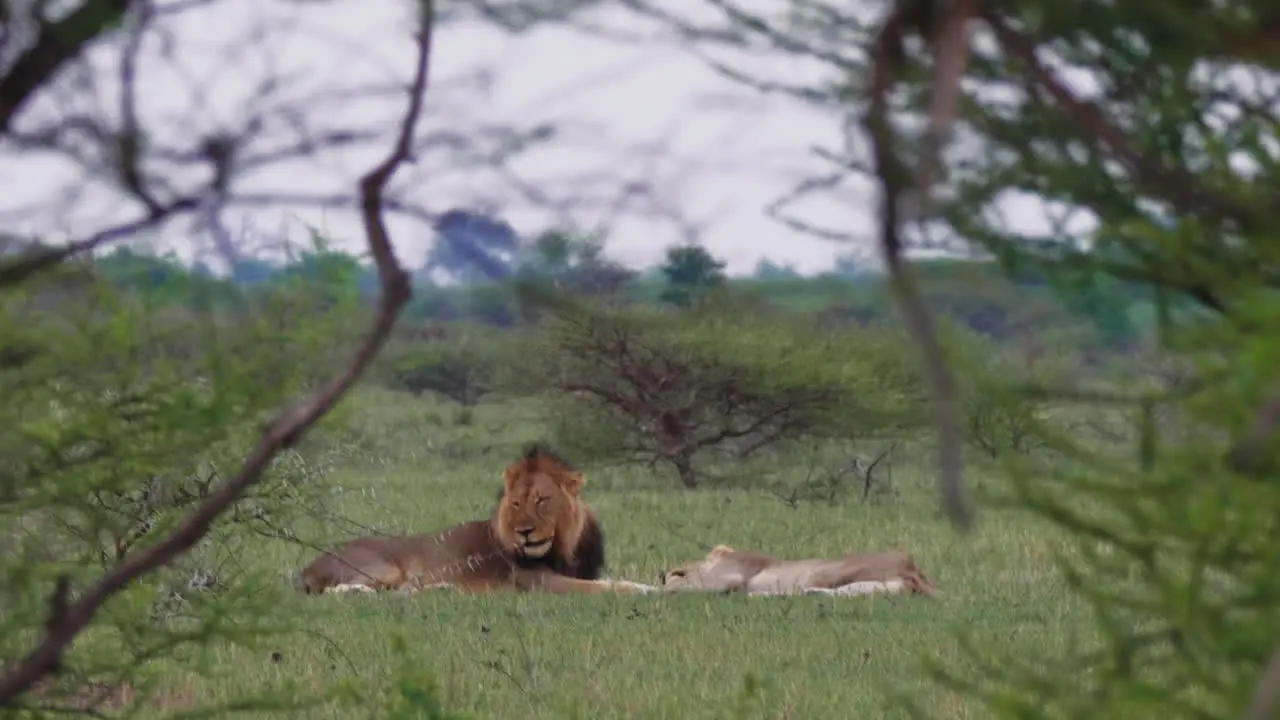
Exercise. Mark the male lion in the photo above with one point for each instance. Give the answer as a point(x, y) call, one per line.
point(727, 570)
point(541, 536)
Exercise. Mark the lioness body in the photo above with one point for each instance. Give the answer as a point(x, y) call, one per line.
point(727, 569)
point(541, 536)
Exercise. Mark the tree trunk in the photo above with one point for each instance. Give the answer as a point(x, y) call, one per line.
point(684, 470)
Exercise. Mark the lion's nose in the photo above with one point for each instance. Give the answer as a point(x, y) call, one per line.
point(525, 531)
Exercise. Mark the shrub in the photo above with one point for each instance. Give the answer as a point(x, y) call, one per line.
point(669, 387)
point(998, 415)
point(117, 420)
point(462, 366)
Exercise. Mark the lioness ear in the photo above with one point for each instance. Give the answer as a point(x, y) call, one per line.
point(718, 552)
point(572, 482)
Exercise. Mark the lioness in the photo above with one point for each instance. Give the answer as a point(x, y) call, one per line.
point(727, 569)
point(541, 536)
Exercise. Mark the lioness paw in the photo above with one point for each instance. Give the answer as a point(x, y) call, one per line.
point(634, 587)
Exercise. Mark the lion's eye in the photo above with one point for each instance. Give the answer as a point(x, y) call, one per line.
point(515, 503)
point(676, 573)
point(542, 501)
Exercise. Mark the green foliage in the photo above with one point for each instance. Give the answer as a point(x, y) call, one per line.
point(999, 414)
point(862, 383)
point(331, 277)
point(768, 270)
point(1142, 135)
point(119, 418)
point(491, 303)
point(163, 278)
point(668, 387)
point(555, 253)
point(1100, 298)
point(972, 292)
point(1173, 541)
point(417, 696)
point(689, 271)
point(803, 294)
point(460, 363)
point(574, 263)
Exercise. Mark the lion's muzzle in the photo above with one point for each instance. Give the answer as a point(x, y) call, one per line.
point(532, 548)
point(529, 546)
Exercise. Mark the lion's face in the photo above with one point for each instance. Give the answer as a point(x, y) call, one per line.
point(539, 509)
point(705, 574)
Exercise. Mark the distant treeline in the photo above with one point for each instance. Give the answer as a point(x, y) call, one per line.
point(1006, 306)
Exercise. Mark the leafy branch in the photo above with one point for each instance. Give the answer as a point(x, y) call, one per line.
point(70, 613)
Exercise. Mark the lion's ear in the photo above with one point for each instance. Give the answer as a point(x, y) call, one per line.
point(718, 552)
point(509, 479)
point(572, 482)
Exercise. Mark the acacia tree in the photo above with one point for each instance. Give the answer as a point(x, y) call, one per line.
point(1157, 162)
point(460, 363)
point(672, 388)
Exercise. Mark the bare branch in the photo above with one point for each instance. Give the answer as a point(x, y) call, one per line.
point(867, 477)
point(31, 262)
point(285, 430)
point(951, 57)
point(58, 603)
point(56, 44)
point(1265, 695)
point(777, 208)
point(129, 139)
point(887, 59)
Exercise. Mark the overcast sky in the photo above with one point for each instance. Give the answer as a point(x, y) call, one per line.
point(719, 152)
point(716, 152)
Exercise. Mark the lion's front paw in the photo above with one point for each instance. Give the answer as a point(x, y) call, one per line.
point(629, 587)
point(351, 587)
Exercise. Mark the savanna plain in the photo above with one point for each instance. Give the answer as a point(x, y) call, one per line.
point(409, 464)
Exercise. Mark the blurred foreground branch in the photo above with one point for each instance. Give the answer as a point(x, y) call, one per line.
point(71, 612)
point(901, 204)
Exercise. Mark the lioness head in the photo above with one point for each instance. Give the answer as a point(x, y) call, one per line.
point(540, 509)
point(710, 573)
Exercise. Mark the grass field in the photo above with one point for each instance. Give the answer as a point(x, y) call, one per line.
point(410, 467)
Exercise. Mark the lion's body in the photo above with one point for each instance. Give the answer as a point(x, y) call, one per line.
point(726, 569)
point(540, 536)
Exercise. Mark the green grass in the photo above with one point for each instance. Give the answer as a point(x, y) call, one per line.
point(409, 467)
